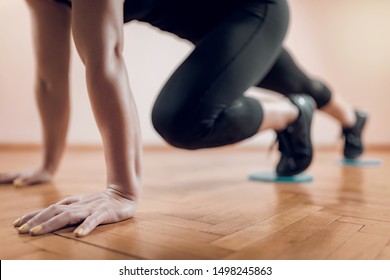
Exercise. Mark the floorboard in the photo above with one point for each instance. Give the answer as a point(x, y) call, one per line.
point(200, 205)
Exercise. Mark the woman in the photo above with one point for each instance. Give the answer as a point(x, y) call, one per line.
point(238, 44)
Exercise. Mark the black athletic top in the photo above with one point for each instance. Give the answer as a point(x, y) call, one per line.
point(189, 19)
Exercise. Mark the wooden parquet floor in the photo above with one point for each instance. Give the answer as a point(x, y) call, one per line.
point(200, 205)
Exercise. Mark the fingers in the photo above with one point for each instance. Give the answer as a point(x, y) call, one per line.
point(32, 178)
point(90, 211)
point(18, 182)
point(62, 220)
point(50, 219)
point(7, 178)
point(25, 179)
point(69, 200)
point(40, 218)
point(66, 218)
point(90, 224)
point(24, 219)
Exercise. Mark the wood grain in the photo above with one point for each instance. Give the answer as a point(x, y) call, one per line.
point(200, 205)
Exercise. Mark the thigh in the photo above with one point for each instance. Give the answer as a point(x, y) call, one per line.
point(226, 62)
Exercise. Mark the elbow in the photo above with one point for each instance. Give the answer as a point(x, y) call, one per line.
point(43, 84)
point(48, 84)
point(105, 73)
point(104, 64)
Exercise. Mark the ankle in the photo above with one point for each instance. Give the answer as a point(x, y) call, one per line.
point(349, 118)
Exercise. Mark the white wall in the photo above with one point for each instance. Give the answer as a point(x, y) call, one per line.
point(346, 43)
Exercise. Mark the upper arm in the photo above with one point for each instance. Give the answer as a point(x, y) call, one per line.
point(51, 23)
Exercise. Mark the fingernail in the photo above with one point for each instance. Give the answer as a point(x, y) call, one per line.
point(18, 182)
point(24, 228)
point(78, 232)
point(35, 230)
point(17, 221)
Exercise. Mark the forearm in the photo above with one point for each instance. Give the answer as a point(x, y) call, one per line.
point(53, 104)
point(117, 119)
point(51, 37)
point(98, 36)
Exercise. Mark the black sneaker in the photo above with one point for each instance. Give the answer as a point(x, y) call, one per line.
point(295, 141)
point(353, 146)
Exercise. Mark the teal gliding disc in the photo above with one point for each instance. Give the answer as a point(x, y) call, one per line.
point(361, 162)
point(273, 178)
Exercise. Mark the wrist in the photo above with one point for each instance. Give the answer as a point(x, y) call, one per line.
point(47, 170)
point(130, 193)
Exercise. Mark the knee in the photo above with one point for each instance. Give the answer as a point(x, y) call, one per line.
point(175, 128)
point(320, 93)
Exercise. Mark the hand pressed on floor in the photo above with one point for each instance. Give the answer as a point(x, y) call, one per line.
point(26, 178)
point(87, 211)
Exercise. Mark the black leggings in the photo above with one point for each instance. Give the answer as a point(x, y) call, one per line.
point(287, 78)
point(203, 105)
